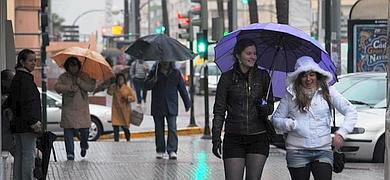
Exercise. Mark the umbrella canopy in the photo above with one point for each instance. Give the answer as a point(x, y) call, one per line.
point(159, 47)
point(92, 63)
point(278, 48)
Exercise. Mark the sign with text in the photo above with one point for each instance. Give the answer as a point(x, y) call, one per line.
point(369, 46)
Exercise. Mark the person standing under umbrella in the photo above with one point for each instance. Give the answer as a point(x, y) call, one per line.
point(139, 71)
point(121, 107)
point(165, 80)
point(305, 115)
point(74, 86)
point(26, 124)
point(241, 93)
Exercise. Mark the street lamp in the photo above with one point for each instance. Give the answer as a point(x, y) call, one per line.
point(86, 12)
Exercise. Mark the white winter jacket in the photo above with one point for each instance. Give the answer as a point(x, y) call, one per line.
point(312, 130)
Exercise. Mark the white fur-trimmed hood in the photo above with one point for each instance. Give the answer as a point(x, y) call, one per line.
point(304, 64)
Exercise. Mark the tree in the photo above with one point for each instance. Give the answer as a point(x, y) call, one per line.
point(221, 12)
point(253, 15)
point(57, 23)
point(282, 11)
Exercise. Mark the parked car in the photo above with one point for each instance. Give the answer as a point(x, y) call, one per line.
point(100, 117)
point(367, 91)
point(213, 77)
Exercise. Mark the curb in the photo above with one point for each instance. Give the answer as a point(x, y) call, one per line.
point(150, 133)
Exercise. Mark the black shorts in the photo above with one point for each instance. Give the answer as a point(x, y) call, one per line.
point(238, 146)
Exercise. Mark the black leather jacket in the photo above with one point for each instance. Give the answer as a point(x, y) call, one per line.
point(240, 96)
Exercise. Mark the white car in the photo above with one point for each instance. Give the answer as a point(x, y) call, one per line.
point(213, 77)
point(367, 91)
point(100, 116)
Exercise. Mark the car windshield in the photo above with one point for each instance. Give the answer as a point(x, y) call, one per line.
point(370, 91)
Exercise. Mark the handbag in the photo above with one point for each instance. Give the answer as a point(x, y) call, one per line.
point(338, 161)
point(136, 118)
point(338, 157)
point(269, 127)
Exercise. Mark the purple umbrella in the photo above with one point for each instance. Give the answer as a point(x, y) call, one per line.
point(278, 48)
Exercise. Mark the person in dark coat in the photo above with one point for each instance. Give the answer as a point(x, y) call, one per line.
point(26, 105)
point(241, 104)
point(7, 139)
point(165, 80)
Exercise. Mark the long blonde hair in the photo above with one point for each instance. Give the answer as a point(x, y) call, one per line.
point(301, 99)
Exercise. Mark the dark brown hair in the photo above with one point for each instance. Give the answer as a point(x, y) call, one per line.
point(241, 45)
point(22, 56)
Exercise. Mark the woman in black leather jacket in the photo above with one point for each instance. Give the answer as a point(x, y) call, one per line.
point(241, 92)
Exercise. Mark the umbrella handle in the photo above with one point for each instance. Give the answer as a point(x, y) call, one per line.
point(272, 72)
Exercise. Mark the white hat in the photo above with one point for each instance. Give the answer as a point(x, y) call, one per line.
point(304, 64)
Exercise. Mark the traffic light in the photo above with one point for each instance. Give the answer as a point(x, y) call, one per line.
point(245, 2)
point(185, 23)
point(201, 11)
point(201, 44)
point(159, 29)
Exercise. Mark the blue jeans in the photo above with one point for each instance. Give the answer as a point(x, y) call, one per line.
point(139, 86)
point(24, 159)
point(172, 134)
point(297, 158)
point(69, 133)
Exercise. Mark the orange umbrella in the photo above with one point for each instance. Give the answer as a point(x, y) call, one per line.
point(92, 62)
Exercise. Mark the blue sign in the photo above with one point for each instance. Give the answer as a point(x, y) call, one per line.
point(369, 47)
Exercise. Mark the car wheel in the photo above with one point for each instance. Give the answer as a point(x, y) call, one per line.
point(95, 130)
point(379, 151)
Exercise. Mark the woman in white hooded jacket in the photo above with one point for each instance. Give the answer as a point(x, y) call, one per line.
point(304, 114)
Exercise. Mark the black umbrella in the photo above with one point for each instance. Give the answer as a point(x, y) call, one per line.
point(159, 47)
point(45, 145)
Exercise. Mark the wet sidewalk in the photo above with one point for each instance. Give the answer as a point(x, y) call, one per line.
point(108, 160)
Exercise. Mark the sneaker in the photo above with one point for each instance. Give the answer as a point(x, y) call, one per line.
point(159, 155)
point(172, 155)
point(83, 152)
point(70, 157)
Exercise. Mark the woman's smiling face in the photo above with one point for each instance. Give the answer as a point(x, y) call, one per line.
point(309, 79)
point(248, 56)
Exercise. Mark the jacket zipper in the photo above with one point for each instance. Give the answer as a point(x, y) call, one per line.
point(247, 106)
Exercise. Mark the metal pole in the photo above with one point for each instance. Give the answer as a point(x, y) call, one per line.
point(336, 45)
point(387, 123)
point(328, 20)
point(3, 60)
point(234, 14)
point(165, 16)
point(149, 17)
point(126, 19)
point(221, 12)
point(253, 13)
point(206, 132)
point(43, 75)
point(230, 16)
point(192, 92)
point(137, 18)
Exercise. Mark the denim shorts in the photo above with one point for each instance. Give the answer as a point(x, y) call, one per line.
point(297, 158)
